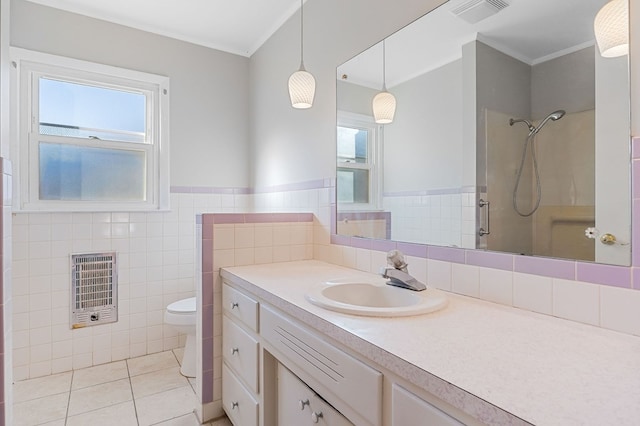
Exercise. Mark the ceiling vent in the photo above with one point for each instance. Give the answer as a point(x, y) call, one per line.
point(474, 11)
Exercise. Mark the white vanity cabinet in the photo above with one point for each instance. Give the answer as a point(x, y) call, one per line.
point(277, 371)
point(299, 405)
point(406, 408)
point(240, 354)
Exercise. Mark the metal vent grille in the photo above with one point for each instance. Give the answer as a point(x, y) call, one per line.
point(474, 11)
point(94, 284)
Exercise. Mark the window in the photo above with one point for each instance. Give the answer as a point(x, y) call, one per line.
point(359, 171)
point(90, 137)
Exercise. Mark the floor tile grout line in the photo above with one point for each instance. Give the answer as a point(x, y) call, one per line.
point(185, 383)
point(66, 413)
point(133, 396)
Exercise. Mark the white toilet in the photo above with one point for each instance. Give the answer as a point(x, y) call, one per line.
point(181, 315)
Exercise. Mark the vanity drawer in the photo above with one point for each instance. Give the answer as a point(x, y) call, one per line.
point(240, 306)
point(238, 403)
point(240, 352)
point(348, 384)
point(406, 407)
point(299, 405)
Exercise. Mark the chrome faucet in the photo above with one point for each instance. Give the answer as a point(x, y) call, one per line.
point(398, 274)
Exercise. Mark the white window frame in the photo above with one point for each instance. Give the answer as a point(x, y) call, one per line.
point(374, 165)
point(26, 70)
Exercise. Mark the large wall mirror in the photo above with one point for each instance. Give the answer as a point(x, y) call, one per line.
point(511, 133)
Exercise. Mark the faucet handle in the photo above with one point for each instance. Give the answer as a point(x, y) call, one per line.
point(395, 258)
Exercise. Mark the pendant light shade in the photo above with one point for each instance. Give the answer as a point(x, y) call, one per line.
point(384, 107)
point(302, 85)
point(611, 27)
point(384, 103)
point(302, 88)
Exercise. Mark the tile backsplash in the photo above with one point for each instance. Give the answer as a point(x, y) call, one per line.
point(157, 251)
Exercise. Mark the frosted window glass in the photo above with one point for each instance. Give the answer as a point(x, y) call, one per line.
point(352, 185)
point(70, 172)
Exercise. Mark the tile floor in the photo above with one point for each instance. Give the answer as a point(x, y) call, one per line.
point(142, 391)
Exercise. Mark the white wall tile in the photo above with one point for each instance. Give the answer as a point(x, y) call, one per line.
point(577, 301)
point(620, 309)
point(496, 286)
point(465, 279)
point(439, 274)
point(363, 260)
point(417, 267)
point(533, 292)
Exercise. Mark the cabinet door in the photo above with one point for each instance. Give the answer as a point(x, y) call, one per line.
point(299, 405)
point(237, 402)
point(406, 408)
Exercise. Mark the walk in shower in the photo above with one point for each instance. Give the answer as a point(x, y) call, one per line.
point(540, 181)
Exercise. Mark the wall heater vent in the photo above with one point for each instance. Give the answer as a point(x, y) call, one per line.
point(474, 11)
point(94, 285)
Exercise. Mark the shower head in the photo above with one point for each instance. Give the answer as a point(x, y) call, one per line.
point(557, 115)
point(554, 116)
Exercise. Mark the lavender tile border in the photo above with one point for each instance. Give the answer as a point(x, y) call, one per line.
point(440, 191)
point(489, 259)
point(616, 276)
point(546, 267)
point(298, 186)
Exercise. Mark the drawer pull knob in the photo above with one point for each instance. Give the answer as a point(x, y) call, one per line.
point(315, 417)
point(302, 403)
point(234, 305)
point(234, 405)
point(235, 351)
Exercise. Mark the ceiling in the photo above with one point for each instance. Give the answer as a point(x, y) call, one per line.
point(234, 26)
point(532, 31)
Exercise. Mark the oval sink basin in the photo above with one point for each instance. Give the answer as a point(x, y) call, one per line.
point(367, 299)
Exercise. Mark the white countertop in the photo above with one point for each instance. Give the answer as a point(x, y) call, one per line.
point(499, 364)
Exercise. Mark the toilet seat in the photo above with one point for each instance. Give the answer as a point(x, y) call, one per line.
point(184, 306)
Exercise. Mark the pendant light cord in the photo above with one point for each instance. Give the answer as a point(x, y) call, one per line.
point(384, 67)
point(302, 34)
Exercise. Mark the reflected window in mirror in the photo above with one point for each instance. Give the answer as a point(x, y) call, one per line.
point(358, 162)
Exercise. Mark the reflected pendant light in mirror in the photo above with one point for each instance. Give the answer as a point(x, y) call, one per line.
point(302, 85)
point(384, 103)
point(611, 27)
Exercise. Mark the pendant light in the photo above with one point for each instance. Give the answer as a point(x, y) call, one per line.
point(611, 27)
point(302, 85)
point(384, 103)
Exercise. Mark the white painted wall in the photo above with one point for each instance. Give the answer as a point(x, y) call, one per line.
point(291, 145)
point(209, 92)
point(156, 251)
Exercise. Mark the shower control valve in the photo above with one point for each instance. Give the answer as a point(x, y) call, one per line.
point(591, 233)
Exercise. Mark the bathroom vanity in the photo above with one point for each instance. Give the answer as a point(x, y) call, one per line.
point(287, 361)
